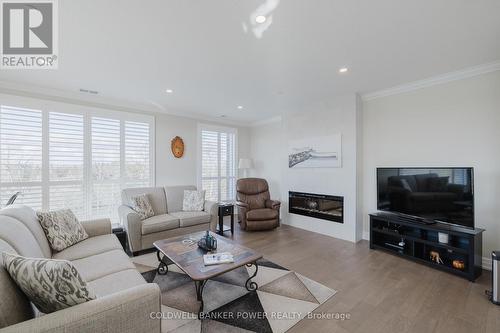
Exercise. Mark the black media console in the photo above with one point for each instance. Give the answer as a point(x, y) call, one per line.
point(462, 255)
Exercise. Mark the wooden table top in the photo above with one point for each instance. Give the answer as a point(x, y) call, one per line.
point(189, 257)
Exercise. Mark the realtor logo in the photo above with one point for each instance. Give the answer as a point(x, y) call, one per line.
point(29, 34)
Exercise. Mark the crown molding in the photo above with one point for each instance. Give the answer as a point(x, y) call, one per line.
point(70, 97)
point(435, 80)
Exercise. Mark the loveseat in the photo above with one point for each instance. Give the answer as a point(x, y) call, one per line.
point(124, 299)
point(169, 219)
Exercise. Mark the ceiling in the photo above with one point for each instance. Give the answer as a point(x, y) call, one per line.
point(134, 50)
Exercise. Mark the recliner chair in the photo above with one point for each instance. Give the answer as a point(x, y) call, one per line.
point(256, 209)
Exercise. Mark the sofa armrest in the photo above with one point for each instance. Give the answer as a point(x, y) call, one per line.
point(127, 311)
point(97, 227)
point(212, 208)
point(273, 204)
point(132, 223)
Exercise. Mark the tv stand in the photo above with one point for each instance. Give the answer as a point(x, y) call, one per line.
point(414, 240)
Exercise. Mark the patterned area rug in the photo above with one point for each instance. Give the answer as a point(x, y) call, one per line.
point(282, 300)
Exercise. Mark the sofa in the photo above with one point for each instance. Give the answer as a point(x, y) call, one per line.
point(124, 299)
point(256, 210)
point(423, 193)
point(169, 219)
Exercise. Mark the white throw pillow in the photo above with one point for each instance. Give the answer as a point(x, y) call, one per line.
point(62, 228)
point(49, 284)
point(194, 201)
point(142, 206)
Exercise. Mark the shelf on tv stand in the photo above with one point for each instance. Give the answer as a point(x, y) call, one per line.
point(387, 230)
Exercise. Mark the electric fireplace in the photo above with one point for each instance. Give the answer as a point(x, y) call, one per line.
point(321, 206)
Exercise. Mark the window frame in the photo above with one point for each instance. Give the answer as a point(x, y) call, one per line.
point(220, 129)
point(88, 111)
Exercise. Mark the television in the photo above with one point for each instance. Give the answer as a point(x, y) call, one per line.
point(428, 195)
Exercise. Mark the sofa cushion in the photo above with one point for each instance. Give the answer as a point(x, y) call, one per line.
point(423, 181)
point(19, 237)
point(194, 201)
point(14, 306)
point(187, 219)
point(175, 196)
point(156, 196)
point(142, 206)
point(99, 265)
point(262, 214)
point(116, 282)
point(50, 284)
point(62, 228)
point(89, 247)
point(159, 223)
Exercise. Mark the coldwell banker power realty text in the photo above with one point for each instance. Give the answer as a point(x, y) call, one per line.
point(29, 34)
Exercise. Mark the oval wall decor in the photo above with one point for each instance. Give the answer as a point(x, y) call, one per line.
point(177, 146)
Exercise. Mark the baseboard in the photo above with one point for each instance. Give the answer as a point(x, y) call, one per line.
point(366, 235)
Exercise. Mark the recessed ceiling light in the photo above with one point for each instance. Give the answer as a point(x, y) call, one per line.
point(169, 91)
point(223, 116)
point(240, 107)
point(260, 19)
point(343, 70)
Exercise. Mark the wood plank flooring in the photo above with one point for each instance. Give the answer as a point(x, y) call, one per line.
point(380, 292)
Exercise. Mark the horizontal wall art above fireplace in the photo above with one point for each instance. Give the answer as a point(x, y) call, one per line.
point(316, 152)
point(321, 206)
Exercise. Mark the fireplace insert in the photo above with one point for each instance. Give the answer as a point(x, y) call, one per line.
point(322, 206)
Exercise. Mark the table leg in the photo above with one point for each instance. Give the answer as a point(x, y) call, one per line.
point(232, 223)
point(221, 224)
point(251, 285)
point(162, 266)
point(199, 294)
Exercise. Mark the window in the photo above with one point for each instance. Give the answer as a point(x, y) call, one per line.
point(217, 170)
point(76, 159)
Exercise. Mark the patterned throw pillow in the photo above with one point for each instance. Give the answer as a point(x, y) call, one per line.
point(194, 201)
point(62, 228)
point(49, 284)
point(142, 206)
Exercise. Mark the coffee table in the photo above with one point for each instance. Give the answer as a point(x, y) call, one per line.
point(183, 251)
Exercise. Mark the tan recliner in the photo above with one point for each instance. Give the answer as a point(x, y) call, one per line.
point(256, 210)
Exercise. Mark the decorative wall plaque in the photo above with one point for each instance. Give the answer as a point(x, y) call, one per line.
point(177, 146)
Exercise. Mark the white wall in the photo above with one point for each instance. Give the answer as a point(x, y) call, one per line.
point(452, 124)
point(269, 149)
point(182, 171)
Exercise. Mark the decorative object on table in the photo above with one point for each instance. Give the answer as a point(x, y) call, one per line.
point(142, 206)
point(225, 209)
point(316, 152)
point(245, 164)
point(218, 258)
point(193, 201)
point(48, 283)
point(458, 264)
point(62, 228)
point(436, 257)
point(208, 242)
point(443, 238)
point(177, 146)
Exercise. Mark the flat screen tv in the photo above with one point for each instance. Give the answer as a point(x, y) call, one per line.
point(428, 194)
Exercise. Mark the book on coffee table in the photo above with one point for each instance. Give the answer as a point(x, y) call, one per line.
point(218, 258)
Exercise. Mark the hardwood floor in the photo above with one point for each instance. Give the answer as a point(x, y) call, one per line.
point(381, 292)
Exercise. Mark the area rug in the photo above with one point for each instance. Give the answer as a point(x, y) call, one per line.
point(282, 300)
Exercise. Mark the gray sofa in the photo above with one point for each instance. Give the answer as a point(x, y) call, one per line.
point(124, 299)
point(169, 219)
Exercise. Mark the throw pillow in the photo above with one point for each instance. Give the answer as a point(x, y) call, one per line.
point(194, 201)
point(49, 284)
point(62, 228)
point(405, 185)
point(142, 206)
